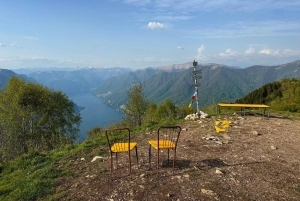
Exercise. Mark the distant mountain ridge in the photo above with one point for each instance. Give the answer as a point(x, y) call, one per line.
point(6, 74)
point(78, 80)
point(218, 83)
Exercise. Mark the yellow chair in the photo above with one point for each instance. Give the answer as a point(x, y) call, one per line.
point(167, 138)
point(119, 141)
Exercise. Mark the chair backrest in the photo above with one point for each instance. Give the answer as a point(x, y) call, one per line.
point(168, 133)
point(119, 137)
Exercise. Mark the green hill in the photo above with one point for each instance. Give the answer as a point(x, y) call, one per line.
point(281, 96)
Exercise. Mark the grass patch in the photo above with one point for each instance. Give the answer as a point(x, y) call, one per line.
point(32, 176)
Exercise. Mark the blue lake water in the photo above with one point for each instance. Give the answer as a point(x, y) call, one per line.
point(95, 113)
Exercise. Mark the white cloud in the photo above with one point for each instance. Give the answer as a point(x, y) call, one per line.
point(2, 45)
point(269, 52)
point(200, 55)
point(228, 53)
point(250, 50)
point(155, 25)
point(181, 48)
point(3, 60)
point(14, 44)
point(201, 49)
point(290, 52)
point(231, 57)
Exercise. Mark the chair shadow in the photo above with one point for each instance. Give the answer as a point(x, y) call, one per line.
point(218, 163)
point(181, 164)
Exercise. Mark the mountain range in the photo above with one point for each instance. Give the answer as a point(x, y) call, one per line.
point(219, 82)
point(73, 81)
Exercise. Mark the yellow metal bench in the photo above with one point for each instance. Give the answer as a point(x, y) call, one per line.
point(243, 106)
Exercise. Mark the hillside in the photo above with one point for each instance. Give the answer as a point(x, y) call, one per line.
point(218, 83)
point(257, 159)
point(281, 95)
point(245, 166)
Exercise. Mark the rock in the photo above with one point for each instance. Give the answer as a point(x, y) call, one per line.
point(219, 171)
point(190, 117)
point(82, 159)
point(208, 192)
point(90, 176)
point(211, 138)
point(255, 133)
point(96, 157)
point(178, 177)
point(169, 195)
point(219, 142)
point(273, 147)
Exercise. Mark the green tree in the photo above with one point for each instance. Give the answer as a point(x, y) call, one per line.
point(136, 105)
point(33, 117)
point(167, 110)
point(150, 114)
point(95, 133)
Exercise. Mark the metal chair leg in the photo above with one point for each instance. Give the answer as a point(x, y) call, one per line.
point(111, 163)
point(150, 155)
point(116, 160)
point(137, 157)
point(129, 162)
point(174, 159)
point(168, 156)
point(157, 163)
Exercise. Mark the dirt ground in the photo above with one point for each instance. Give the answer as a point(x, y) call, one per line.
point(256, 159)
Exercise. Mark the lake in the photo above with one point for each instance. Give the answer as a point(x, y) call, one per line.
point(96, 113)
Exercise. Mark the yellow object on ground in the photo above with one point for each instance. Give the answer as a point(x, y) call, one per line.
point(218, 129)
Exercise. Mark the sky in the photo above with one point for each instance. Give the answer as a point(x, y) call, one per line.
point(147, 33)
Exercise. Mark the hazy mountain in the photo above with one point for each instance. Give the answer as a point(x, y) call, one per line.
point(6, 74)
point(78, 80)
point(218, 83)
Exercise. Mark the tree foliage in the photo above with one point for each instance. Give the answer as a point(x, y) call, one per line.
point(281, 96)
point(33, 117)
point(136, 105)
point(263, 95)
point(95, 133)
